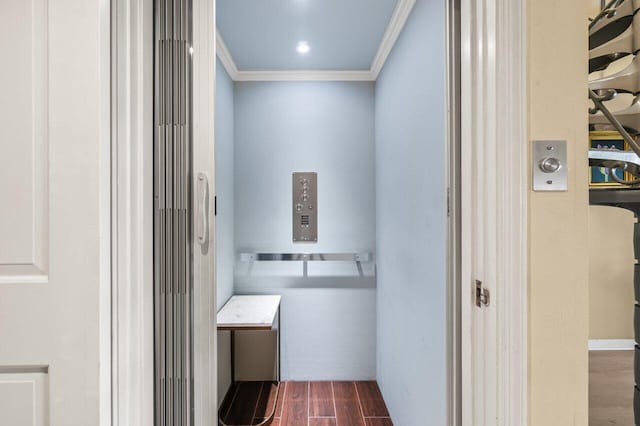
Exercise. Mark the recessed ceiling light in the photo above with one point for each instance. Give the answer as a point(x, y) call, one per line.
point(303, 47)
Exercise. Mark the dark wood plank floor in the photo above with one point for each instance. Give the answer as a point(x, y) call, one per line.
point(610, 388)
point(307, 404)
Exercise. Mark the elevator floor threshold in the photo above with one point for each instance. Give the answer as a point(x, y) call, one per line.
point(306, 404)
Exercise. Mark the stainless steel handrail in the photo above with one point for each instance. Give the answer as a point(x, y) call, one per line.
point(603, 12)
point(598, 102)
point(305, 257)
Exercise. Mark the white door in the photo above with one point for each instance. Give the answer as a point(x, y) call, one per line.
point(478, 215)
point(494, 182)
point(204, 286)
point(54, 212)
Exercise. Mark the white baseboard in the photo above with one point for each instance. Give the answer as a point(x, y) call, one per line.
point(611, 345)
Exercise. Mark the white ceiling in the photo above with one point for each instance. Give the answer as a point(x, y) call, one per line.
point(342, 34)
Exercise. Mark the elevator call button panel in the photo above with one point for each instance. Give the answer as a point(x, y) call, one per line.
point(550, 165)
point(305, 207)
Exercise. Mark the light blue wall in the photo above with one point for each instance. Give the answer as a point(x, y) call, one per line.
point(411, 221)
point(328, 317)
point(225, 244)
point(224, 185)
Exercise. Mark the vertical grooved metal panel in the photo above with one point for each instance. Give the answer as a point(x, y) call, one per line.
point(172, 213)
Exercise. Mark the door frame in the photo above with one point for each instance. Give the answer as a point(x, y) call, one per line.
point(482, 37)
point(493, 211)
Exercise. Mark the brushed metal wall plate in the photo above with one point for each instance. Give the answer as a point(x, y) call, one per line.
point(549, 165)
point(305, 207)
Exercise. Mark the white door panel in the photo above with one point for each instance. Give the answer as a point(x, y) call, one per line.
point(204, 286)
point(53, 244)
point(24, 398)
point(25, 141)
point(494, 185)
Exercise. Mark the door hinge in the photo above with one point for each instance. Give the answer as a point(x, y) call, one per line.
point(448, 202)
point(483, 296)
point(215, 206)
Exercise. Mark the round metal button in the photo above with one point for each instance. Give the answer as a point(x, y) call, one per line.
point(550, 165)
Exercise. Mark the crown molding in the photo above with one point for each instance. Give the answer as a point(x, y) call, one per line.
point(394, 28)
point(396, 24)
point(305, 75)
point(225, 57)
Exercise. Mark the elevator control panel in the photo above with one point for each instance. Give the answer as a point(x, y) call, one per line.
point(305, 207)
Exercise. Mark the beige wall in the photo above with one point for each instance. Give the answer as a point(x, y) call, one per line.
point(611, 261)
point(558, 236)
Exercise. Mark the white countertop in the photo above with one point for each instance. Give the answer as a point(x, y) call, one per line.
point(249, 312)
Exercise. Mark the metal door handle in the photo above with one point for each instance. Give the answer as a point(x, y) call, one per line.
point(202, 227)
